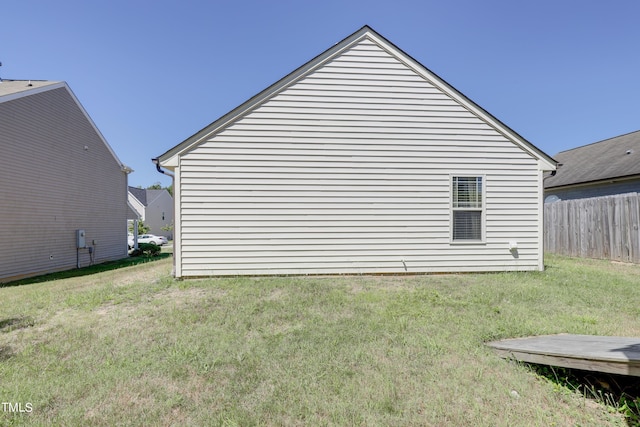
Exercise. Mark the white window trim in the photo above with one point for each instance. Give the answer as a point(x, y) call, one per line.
point(483, 209)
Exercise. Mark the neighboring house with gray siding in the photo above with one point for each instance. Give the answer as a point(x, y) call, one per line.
point(154, 208)
point(360, 161)
point(603, 168)
point(59, 175)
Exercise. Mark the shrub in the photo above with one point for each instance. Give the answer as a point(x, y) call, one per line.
point(148, 249)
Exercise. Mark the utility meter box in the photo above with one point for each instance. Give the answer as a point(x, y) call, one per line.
point(80, 239)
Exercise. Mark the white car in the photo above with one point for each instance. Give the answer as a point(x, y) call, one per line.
point(148, 238)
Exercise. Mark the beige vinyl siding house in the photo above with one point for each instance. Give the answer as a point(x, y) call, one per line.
point(361, 161)
point(155, 208)
point(58, 175)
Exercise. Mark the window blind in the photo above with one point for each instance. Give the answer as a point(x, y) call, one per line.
point(467, 208)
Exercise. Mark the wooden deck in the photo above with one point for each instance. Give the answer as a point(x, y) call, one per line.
point(614, 355)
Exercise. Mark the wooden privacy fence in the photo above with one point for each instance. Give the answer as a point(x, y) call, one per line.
point(599, 227)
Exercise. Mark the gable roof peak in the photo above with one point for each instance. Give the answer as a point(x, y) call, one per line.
point(169, 158)
point(139, 193)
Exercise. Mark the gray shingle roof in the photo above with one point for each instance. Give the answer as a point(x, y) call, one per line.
point(140, 194)
point(612, 158)
point(146, 196)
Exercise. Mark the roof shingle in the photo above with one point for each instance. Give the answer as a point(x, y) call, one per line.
point(140, 194)
point(609, 159)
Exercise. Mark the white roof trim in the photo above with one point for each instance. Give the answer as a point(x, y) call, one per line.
point(171, 157)
point(133, 210)
point(547, 164)
point(59, 85)
point(32, 91)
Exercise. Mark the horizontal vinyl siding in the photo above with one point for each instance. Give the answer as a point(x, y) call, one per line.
point(348, 171)
point(53, 186)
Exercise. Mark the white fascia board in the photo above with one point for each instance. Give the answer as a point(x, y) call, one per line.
point(170, 158)
point(546, 166)
point(544, 161)
point(28, 92)
point(134, 210)
point(135, 204)
point(64, 85)
point(171, 162)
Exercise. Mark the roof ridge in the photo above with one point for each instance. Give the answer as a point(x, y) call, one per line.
point(598, 142)
point(366, 32)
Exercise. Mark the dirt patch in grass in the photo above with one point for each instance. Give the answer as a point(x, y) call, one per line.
point(276, 295)
point(146, 273)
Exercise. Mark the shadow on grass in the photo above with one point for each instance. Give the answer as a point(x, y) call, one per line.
point(85, 271)
point(6, 353)
point(11, 324)
point(621, 392)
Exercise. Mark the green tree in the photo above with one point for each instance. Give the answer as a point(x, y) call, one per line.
point(142, 228)
point(168, 227)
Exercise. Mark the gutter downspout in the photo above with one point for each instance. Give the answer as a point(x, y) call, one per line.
point(173, 182)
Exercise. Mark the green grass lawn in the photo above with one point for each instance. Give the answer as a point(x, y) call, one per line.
point(132, 346)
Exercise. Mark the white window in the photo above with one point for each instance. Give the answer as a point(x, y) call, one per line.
point(467, 208)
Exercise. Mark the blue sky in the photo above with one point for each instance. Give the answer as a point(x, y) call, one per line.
point(561, 73)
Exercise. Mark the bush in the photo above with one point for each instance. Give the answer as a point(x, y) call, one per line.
point(148, 249)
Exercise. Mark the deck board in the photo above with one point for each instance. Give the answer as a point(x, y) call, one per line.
point(614, 355)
